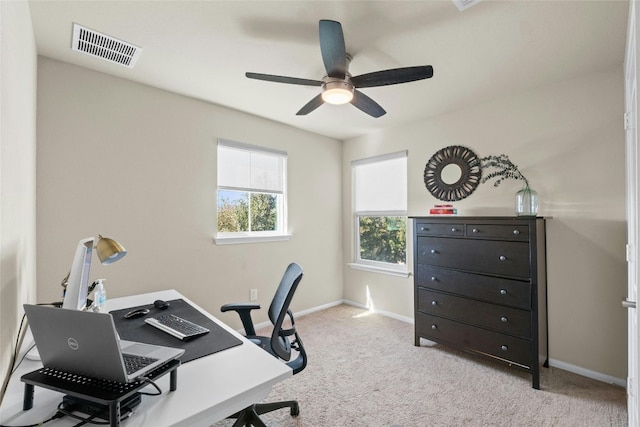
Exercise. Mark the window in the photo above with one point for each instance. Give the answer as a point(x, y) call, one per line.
point(251, 193)
point(380, 209)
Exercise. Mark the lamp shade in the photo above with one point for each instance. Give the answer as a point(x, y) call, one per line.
point(108, 250)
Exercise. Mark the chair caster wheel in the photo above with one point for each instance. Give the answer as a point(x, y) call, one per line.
point(295, 410)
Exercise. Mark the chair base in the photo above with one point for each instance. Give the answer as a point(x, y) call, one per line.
point(251, 416)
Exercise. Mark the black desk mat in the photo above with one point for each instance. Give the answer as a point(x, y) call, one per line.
point(136, 329)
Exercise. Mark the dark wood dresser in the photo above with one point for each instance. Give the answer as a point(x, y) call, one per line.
point(480, 286)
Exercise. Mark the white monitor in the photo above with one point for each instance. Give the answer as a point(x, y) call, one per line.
point(75, 296)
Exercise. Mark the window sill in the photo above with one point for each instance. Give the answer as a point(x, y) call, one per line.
point(235, 240)
point(382, 270)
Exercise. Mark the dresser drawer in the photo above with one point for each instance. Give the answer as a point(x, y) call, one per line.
point(512, 349)
point(499, 318)
point(440, 229)
point(496, 290)
point(483, 256)
point(503, 232)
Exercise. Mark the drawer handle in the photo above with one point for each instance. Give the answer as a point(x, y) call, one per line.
point(504, 348)
point(434, 303)
point(504, 319)
point(423, 229)
point(454, 229)
point(503, 258)
point(433, 251)
point(475, 230)
point(434, 327)
point(516, 232)
point(503, 291)
point(433, 278)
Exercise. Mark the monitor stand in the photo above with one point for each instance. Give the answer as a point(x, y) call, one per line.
point(94, 390)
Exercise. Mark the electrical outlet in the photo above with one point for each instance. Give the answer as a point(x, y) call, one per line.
point(253, 295)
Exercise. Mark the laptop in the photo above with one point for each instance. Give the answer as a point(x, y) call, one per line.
point(86, 343)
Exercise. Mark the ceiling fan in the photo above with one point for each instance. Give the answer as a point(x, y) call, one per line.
point(338, 86)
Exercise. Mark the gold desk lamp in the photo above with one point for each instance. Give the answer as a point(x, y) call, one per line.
point(108, 251)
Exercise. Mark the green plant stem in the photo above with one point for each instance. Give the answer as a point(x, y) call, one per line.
point(503, 169)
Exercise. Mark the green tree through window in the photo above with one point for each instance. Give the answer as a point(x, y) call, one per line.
point(383, 238)
point(247, 211)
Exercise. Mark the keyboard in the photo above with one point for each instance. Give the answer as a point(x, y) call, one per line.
point(177, 326)
point(134, 362)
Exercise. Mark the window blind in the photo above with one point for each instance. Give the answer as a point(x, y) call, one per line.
point(244, 167)
point(380, 184)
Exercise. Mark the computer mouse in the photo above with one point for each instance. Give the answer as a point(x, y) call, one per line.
point(162, 305)
point(136, 313)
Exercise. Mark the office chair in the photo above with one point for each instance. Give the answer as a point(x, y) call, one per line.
point(278, 344)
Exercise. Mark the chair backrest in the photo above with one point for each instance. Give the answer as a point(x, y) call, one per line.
point(278, 310)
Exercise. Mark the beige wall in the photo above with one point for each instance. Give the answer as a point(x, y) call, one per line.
point(17, 171)
point(139, 165)
point(568, 140)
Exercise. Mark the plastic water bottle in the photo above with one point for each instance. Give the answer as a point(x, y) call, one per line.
point(99, 296)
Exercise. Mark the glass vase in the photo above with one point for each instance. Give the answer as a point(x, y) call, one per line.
point(526, 202)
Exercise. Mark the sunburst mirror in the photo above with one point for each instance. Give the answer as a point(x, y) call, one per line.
point(452, 173)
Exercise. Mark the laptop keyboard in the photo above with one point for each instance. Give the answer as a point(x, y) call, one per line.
point(134, 363)
point(177, 326)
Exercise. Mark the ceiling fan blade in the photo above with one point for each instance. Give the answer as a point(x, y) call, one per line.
point(366, 104)
point(394, 76)
point(283, 79)
point(332, 48)
point(310, 106)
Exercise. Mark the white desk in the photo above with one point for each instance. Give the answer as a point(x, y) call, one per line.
point(209, 389)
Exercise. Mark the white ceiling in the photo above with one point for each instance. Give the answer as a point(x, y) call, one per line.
point(203, 48)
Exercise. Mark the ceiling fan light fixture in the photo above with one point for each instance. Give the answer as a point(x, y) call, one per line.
point(338, 85)
point(337, 92)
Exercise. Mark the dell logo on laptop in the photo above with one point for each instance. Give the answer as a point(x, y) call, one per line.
point(72, 343)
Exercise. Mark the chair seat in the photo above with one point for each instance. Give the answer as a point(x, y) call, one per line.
point(263, 342)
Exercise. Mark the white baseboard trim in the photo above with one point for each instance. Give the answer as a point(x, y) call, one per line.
point(257, 326)
point(622, 382)
point(318, 308)
point(297, 314)
point(355, 304)
point(382, 312)
point(587, 373)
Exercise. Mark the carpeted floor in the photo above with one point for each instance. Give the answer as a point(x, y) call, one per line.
point(365, 371)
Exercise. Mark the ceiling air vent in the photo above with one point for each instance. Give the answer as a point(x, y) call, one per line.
point(103, 46)
point(464, 4)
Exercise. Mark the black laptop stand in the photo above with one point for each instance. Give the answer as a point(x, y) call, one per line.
point(102, 392)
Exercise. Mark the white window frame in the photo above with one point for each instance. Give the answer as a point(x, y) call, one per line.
point(399, 211)
point(223, 238)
